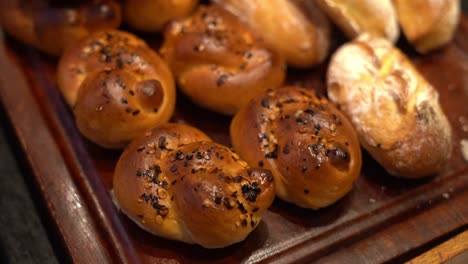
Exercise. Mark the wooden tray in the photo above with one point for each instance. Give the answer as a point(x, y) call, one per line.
point(382, 219)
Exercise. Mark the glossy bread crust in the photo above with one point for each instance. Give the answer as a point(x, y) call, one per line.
point(117, 86)
point(53, 27)
point(355, 17)
point(218, 62)
point(176, 183)
point(309, 146)
point(394, 110)
point(428, 24)
point(153, 15)
point(297, 29)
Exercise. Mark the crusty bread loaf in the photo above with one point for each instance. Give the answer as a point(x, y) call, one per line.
point(428, 24)
point(51, 27)
point(395, 111)
point(176, 183)
point(117, 86)
point(153, 15)
point(309, 146)
point(356, 17)
point(218, 62)
point(295, 28)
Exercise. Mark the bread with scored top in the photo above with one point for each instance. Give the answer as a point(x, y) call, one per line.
point(395, 111)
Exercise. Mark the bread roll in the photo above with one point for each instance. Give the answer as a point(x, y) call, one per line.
point(428, 24)
point(309, 146)
point(218, 62)
point(394, 110)
point(117, 86)
point(176, 183)
point(152, 15)
point(295, 28)
point(355, 17)
point(51, 27)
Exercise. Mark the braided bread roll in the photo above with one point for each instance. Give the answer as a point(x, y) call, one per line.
point(118, 87)
point(176, 183)
point(309, 146)
point(51, 27)
point(153, 15)
point(218, 62)
point(395, 111)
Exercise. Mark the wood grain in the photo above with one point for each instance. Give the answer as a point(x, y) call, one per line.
point(444, 252)
point(86, 241)
point(382, 219)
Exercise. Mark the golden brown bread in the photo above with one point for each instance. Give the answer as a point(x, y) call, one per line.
point(117, 86)
point(176, 183)
point(428, 24)
point(355, 17)
point(309, 146)
point(218, 62)
point(51, 27)
point(152, 15)
point(394, 110)
point(295, 28)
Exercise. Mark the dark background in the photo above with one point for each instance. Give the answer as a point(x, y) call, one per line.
point(23, 237)
point(23, 219)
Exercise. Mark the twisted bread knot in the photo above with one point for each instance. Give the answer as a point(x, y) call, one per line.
point(176, 183)
point(218, 62)
point(310, 147)
point(118, 87)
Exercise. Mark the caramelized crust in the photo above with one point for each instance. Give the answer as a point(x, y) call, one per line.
point(297, 29)
point(152, 15)
point(428, 24)
point(394, 110)
point(218, 62)
point(355, 17)
point(51, 27)
point(118, 87)
point(176, 183)
point(310, 147)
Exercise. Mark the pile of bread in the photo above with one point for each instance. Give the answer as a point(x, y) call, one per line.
point(231, 56)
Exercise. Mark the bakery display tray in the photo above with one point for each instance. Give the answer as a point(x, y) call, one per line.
point(382, 219)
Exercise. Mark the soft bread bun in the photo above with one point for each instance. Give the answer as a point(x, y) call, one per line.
point(309, 146)
point(117, 86)
point(176, 183)
point(356, 17)
point(51, 27)
point(295, 28)
point(394, 110)
point(218, 62)
point(428, 24)
point(152, 15)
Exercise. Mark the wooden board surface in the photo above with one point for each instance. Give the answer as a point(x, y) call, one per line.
point(382, 219)
point(445, 251)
